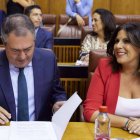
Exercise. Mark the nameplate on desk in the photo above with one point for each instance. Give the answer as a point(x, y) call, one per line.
point(35, 130)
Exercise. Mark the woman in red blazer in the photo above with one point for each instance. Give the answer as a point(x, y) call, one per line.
point(116, 81)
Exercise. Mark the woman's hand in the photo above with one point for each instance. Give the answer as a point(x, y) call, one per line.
point(134, 126)
point(85, 59)
point(4, 116)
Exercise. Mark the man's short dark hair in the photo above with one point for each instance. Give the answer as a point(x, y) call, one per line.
point(28, 10)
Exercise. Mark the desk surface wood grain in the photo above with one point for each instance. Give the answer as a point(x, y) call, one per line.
point(84, 131)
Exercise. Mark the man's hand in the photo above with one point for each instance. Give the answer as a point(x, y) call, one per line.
point(80, 20)
point(57, 105)
point(31, 2)
point(76, 1)
point(4, 116)
point(24, 3)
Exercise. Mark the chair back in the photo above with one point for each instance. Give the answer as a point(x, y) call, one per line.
point(122, 19)
point(49, 22)
point(71, 29)
point(94, 57)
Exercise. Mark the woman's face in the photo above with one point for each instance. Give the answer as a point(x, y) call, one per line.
point(124, 51)
point(97, 23)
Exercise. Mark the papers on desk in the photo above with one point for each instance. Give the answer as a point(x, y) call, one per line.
point(34, 130)
point(4, 132)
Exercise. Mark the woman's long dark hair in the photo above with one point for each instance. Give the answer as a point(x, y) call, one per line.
point(133, 34)
point(108, 21)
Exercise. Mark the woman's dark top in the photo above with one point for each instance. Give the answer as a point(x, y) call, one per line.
point(13, 8)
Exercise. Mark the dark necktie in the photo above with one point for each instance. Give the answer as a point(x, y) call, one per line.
point(23, 111)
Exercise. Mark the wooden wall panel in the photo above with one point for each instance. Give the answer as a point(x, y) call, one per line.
point(137, 7)
point(101, 4)
point(57, 6)
point(116, 6)
point(45, 5)
point(125, 6)
point(3, 5)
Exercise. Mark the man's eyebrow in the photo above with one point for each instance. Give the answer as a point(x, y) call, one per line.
point(28, 47)
point(22, 49)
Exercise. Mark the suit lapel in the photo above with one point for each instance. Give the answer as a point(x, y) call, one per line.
point(36, 73)
point(6, 85)
point(38, 38)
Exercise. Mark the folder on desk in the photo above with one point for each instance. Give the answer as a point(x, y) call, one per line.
point(34, 130)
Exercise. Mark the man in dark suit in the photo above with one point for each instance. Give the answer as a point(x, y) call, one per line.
point(40, 70)
point(44, 38)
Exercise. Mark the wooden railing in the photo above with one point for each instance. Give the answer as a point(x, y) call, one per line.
point(74, 78)
point(75, 84)
point(66, 53)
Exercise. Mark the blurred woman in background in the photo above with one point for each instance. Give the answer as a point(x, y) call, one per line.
point(103, 24)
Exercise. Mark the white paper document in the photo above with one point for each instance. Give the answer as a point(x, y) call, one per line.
point(35, 130)
point(32, 131)
point(61, 118)
point(4, 132)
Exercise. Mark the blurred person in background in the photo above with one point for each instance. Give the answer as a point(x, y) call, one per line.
point(44, 38)
point(79, 9)
point(103, 24)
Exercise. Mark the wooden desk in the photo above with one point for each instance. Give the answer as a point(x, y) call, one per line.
point(84, 131)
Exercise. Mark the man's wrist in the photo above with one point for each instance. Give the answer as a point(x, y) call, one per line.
point(77, 1)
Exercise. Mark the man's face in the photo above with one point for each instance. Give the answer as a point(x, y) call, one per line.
point(20, 49)
point(36, 17)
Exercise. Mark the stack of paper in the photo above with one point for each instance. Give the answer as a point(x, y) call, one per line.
point(34, 130)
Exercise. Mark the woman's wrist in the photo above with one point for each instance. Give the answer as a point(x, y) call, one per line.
point(127, 123)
